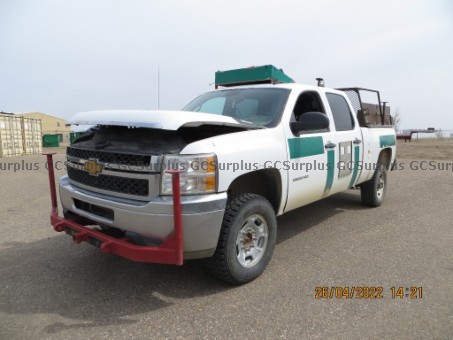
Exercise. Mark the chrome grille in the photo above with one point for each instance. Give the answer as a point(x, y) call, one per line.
point(124, 185)
point(122, 175)
point(110, 157)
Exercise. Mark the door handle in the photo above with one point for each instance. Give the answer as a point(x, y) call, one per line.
point(357, 141)
point(330, 145)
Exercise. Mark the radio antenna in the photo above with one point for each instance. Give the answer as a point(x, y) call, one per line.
point(158, 88)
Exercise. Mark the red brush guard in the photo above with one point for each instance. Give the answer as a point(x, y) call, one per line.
point(169, 252)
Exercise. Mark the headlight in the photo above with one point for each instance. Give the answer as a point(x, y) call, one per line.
point(198, 176)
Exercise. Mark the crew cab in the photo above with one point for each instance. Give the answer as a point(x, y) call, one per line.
point(243, 154)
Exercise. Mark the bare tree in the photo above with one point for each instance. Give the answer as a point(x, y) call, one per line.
point(439, 133)
point(396, 118)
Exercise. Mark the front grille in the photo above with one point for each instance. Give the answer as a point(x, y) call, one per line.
point(123, 185)
point(110, 157)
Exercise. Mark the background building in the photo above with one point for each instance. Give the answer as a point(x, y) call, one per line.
point(51, 125)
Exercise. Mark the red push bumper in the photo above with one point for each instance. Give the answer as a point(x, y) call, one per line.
point(169, 252)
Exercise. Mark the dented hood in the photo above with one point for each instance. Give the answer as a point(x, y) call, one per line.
point(158, 119)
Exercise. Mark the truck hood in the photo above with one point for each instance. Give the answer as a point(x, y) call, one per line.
point(158, 119)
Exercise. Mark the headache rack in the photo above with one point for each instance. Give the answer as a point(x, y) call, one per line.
point(267, 74)
point(375, 114)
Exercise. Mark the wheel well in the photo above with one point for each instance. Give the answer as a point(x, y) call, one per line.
point(266, 183)
point(385, 157)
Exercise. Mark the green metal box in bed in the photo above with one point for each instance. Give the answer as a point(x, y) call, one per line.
point(266, 74)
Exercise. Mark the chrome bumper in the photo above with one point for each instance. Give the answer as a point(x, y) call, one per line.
point(201, 216)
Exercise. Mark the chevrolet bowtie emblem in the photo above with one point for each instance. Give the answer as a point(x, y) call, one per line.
point(93, 167)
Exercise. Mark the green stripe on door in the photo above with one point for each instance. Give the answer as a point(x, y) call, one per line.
point(304, 147)
point(356, 166)
point(330, 170)
point(388, 140)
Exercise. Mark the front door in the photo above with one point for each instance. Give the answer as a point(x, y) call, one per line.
point(311, 165)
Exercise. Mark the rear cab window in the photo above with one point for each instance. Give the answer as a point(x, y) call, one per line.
point(342, 115)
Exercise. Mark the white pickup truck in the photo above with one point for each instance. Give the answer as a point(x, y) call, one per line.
point(246, 154)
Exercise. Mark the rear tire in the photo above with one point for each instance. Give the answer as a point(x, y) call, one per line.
point(247, 239)
point(373, 191)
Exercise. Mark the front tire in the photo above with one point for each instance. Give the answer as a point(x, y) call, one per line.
point(247, 239)
point(373, 191)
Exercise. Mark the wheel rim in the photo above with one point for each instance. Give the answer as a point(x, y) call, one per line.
point(380, 186)
point(251, 241)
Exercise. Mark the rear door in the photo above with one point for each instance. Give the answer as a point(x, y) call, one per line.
point(349, 145)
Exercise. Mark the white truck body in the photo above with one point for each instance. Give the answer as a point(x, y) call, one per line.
point(293, 170)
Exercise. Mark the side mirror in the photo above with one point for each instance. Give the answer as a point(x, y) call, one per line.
point(310, 121)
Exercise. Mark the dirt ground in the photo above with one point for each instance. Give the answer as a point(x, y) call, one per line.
point(435, 149)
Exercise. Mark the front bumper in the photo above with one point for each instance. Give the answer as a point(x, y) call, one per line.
point(169, 252)
point(201, 216)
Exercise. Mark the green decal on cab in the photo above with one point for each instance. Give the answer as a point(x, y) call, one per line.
point(304, 147)
point(356, 166)
point(330, 170)
point(388, 140)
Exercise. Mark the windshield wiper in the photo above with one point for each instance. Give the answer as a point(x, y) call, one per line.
point(246, 122)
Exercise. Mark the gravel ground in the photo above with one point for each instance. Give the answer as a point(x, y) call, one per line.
point(53, 289)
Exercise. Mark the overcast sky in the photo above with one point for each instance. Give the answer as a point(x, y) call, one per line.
point(62, 57)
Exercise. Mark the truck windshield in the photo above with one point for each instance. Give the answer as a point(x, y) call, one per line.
point(258, 106)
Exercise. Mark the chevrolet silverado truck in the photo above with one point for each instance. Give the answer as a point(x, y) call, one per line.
point(240, 156)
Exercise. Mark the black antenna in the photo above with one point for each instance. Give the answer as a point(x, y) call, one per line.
point(320, 82)
point(158, 87)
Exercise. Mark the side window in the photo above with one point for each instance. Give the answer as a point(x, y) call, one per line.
point(214, 105)
point(307, 114)
point(341, 114)
point(307, 102)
